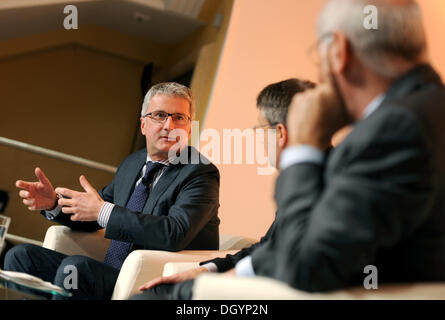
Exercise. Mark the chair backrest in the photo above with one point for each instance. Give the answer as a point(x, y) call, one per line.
point(231, 242)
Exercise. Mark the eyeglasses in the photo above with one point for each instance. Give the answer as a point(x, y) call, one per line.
point(313, 52)
point(161, 116)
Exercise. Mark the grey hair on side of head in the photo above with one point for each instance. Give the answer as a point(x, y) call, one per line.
point(400, 32)
point(171, 89)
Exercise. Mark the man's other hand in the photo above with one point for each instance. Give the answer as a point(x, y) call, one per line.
point(84, 206)
point(38, 195)
point(175, 278)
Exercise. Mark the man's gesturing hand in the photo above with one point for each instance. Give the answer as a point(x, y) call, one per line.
point(38, 195)
point(85, 206)
point(175, 278)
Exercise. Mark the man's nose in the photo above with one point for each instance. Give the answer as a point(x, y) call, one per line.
point(169, 124)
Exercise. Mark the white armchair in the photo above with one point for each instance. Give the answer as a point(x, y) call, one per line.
point(218, 287)
point(141, 265)
point(64, 240)
point(214, 286)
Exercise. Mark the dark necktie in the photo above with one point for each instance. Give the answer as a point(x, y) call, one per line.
point(119, 250)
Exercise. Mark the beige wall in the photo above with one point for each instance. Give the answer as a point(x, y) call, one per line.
point(267, 42)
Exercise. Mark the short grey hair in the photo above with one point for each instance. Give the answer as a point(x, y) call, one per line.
point(400, 32)
point(171, 89)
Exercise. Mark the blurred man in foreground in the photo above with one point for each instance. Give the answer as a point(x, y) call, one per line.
point(377, 199)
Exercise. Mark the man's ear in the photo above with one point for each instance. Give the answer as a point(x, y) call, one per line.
point(339, 53)
point(143, 126)
point(281, 135)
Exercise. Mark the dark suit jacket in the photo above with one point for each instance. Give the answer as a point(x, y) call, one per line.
point(181, 211)
point(230, 260)
point(378, 200)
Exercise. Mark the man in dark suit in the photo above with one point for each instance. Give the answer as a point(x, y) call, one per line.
point(272, 104)
point(378, 198)
point(156, 200)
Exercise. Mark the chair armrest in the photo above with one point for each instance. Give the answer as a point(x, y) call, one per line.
point(144, 265)
point(67, 241)
point(233, 242)
point(209, 286)
point(213, 286)
point(172, 268)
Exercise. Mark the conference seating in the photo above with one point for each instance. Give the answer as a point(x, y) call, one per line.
point(141, 265)
point(211, 286)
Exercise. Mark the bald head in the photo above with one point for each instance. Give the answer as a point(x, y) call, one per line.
point(399, 38)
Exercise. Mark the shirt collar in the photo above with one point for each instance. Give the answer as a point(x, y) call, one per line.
point(373, 105)
point(165, 162)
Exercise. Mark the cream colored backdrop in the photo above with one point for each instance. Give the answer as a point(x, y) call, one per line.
point(267, 42)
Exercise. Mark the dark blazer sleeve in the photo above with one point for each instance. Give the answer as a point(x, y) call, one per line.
point(379, 194)
point(196, 203)
point(230, 260)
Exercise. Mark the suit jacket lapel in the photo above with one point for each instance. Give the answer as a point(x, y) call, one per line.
point(130, 178)
point(164, 182)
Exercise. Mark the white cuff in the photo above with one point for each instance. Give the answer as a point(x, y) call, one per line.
point(244, 267)
point(104, 214)
point(52, 214)
point(211, 267)
point(300, 154)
